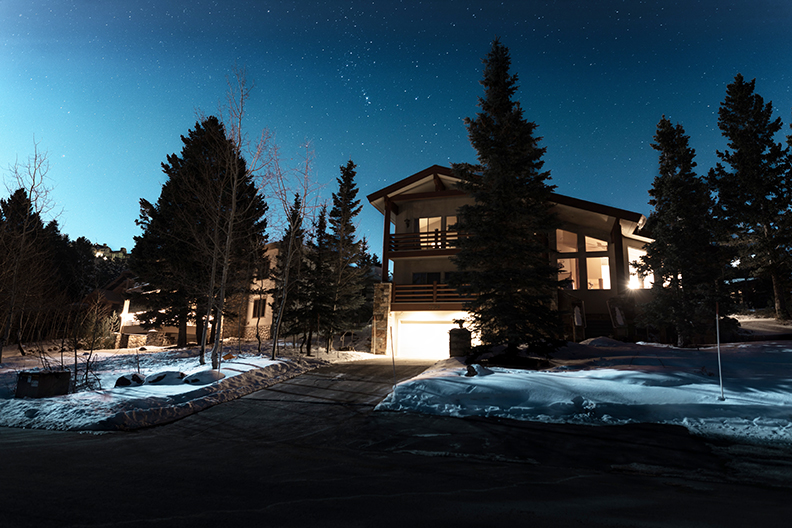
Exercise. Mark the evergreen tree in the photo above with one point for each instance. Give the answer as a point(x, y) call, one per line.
point(753, 193)
point(684, 258)
point(347, 278)
point(289, 296)
point(319, 281)
point(503, 259)
point(208, 217)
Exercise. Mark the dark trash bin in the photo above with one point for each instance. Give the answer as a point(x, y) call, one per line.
point(43, 384)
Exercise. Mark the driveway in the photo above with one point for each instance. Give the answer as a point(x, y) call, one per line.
point(311, 452)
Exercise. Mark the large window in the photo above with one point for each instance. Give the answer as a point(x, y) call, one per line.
point(594, 245)
point(598, 271)
point(566, 241)
point(581, 255)
point(568, 270)
point(636, 282)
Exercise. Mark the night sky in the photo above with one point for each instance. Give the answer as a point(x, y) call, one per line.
point(107, 87)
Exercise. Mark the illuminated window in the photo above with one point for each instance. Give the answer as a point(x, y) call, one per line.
point(430, 229)
point(595, 244)
point(566, 241)
point(568, 269)
point(598, 271)
point(636, 282)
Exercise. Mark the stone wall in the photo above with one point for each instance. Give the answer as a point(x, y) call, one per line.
point(379, 324)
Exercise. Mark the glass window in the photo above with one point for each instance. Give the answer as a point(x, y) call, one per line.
point(568, 269)
point(430, 229)
point(259, 308)
point(426, 278)
point(636, 282)
point(566, 241)
point(598, 269)
point(430, 225)
point(595, 244)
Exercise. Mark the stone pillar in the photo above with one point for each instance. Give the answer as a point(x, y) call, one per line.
point(379, 323)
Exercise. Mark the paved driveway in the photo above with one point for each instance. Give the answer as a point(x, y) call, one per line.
point(311, 452)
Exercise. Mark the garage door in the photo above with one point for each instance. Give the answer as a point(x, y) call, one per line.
point(425, 340)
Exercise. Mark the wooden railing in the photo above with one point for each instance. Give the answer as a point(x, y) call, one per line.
point(423, 241)
point(426, 293)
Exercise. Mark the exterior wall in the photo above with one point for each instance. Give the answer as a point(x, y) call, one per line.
point(424, 209)
point(403, 269)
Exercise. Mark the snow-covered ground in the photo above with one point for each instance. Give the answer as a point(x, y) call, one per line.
point(185, 387)
point(608, 382)
point(599, 383)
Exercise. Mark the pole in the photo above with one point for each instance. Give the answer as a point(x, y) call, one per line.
point(393, 357)
point(717, 333)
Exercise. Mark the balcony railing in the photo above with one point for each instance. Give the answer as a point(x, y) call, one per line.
point(423, 241)
point(426, 293)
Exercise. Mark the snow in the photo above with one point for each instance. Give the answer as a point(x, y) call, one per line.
point(175, 386)
point(600, 382)
point(607, 382)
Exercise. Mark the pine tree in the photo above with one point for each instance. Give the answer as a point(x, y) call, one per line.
point(503, 259)
point(347, 278)
point(319, 311)
point(687, 265)
point(754, 196)
point(198, 235)
point(289, 296)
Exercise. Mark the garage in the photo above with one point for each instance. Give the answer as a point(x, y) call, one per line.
point(423, 339)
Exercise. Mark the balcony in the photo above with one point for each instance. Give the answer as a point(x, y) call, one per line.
point(422, 244)
point(423, 296)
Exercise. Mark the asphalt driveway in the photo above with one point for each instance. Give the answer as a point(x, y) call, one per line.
point(311, 452)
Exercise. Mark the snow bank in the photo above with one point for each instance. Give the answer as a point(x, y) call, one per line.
point(175, 387)
point(622, 383)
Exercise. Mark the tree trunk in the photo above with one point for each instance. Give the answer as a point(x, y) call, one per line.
point(779, 294)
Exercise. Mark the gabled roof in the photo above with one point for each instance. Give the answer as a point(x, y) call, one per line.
point(441, 180)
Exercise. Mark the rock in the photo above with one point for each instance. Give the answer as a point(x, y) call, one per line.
point(170, 377)
point(130, 379)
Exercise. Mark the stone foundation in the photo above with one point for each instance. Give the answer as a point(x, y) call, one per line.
point(379, 323)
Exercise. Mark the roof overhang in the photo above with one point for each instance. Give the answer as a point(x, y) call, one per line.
point(439, 182)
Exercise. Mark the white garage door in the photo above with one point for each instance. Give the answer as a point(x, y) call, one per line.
point(425, 340)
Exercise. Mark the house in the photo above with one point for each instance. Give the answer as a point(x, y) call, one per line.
point(412, 315)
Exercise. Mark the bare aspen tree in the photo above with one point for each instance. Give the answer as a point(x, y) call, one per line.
point(19, 241)
point(285, 184)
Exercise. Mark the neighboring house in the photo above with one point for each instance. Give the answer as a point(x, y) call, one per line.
point(412, 315)
point(133, 335)
point(255, 307)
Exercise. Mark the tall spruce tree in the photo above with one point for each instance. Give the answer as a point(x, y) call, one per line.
point(208, 217)
point(319, 309)
point(503, 259)
point(684, 258)
point(753, 186)
point(347, 286)
point(289, 295)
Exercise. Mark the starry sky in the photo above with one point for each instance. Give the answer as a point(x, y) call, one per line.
point(108, 87)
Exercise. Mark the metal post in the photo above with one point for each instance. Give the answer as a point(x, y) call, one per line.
point(717, 333)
